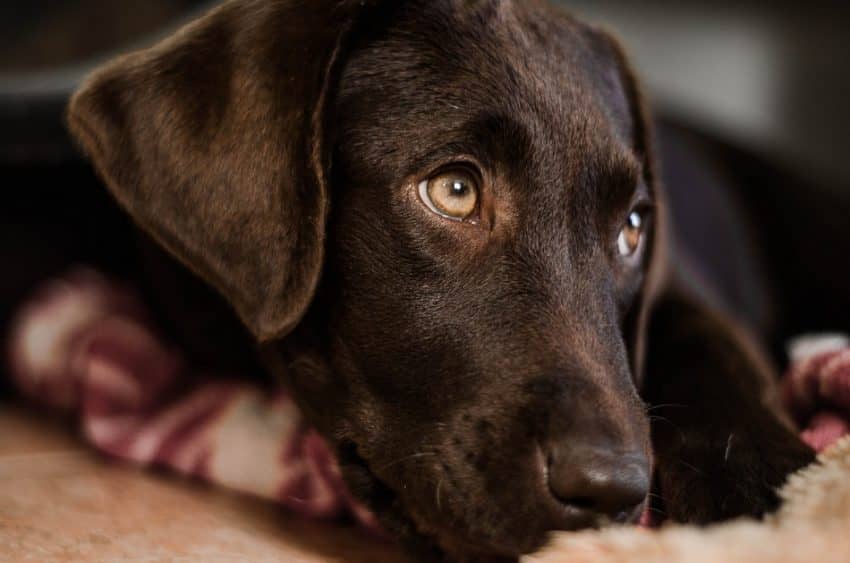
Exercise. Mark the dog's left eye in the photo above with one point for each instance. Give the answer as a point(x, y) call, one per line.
point(630, 239)
point(452, 194)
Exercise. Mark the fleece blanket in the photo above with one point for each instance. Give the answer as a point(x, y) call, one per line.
point(84, 344)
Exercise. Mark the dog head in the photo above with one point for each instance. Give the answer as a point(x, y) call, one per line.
point(443, 214)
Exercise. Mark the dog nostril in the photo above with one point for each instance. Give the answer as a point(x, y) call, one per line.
point(601, 482)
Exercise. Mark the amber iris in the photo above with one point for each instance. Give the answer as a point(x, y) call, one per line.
point(631, 235)
point(452, 194)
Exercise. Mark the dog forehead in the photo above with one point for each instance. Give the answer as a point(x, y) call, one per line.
point(516, 44)
point(433, 66)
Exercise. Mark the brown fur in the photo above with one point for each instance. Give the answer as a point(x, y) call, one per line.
point(272, 147)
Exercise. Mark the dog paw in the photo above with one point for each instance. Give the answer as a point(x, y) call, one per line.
point(720, 481)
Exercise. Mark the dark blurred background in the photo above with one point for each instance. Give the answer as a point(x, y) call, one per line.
point(44, 34)
point(771, 76)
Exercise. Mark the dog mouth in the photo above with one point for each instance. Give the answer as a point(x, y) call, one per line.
point(416, 528)
point(482, 532)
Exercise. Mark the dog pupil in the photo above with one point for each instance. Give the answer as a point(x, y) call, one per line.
point(458, 188)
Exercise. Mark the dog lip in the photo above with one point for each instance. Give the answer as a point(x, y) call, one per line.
point(558, 517)
point(573, 518)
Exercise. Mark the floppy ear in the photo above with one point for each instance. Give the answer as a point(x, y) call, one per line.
point(212, 141)
point(644, 145)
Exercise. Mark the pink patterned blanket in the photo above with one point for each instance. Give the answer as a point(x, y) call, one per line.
point(84, 344)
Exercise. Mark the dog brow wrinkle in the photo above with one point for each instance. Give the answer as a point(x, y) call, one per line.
point(407, 458)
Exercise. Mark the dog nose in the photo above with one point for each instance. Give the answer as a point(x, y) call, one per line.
point(598, 480)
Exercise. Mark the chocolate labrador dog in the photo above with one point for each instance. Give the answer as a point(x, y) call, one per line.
point(441, 220)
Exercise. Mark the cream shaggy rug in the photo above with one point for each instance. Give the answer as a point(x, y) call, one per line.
point(813, 525)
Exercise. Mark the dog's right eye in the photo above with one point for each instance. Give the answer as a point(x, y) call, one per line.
point(452, 194)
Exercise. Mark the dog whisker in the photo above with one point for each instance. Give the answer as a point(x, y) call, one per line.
point(407, 458)
point(691, 467)
point(657, 418)
point(728, 447)
point(651, 408)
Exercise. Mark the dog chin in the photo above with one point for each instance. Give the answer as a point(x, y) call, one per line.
point(488, 538)
point(503, 548)
point(502, 539)
point(501, 542)
point(432, 539)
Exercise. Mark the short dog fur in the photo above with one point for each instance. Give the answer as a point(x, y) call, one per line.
point(274, 148)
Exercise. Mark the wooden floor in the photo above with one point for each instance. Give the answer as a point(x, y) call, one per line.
point(61, 502)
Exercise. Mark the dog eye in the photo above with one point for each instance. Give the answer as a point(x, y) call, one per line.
point(452, 194)
point(631, 235)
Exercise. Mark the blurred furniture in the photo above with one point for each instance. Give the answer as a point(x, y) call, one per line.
point(48, 46)
point(771, 77)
